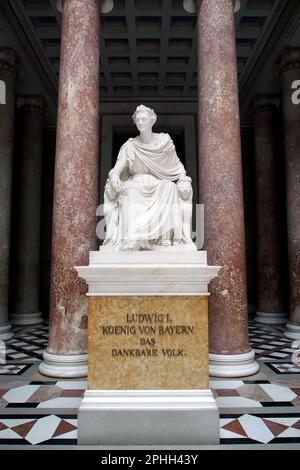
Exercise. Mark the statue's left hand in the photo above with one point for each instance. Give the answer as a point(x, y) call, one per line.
point(185, 190)
point(116, 183)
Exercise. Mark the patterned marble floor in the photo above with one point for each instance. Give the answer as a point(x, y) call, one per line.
point(261, 409)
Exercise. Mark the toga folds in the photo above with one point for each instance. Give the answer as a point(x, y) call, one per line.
point(147, 207)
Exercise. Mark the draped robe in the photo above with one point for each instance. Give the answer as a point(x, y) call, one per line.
point(147, 207)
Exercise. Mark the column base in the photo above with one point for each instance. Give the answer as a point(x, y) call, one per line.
point(21, 319)
point(6, 333)
point(233, 365)
point(277, 318)
point(143, 417)
point(55, 365)
point(292, 331)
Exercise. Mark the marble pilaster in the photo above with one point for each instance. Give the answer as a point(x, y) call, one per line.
point(26, 309)
point(289, 70)
point(271, 305)
point(220, 176)
point(8, 74)
point(75, 187)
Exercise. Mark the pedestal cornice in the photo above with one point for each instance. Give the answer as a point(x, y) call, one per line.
point(147, 273)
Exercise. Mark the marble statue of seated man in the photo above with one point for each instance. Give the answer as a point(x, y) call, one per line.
point(148, 196)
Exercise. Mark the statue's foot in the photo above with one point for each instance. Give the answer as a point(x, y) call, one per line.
point(177, 243)
point(131, 245)
point(144, 245)
point(165, 242)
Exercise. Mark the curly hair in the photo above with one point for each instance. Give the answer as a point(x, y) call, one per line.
point(142, 108)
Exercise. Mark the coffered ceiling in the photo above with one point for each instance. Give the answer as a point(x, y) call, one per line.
point(148, 47)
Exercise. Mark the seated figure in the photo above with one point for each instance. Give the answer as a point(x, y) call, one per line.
point(148, 196)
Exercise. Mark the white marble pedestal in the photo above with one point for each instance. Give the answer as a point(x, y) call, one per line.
point(148, 378)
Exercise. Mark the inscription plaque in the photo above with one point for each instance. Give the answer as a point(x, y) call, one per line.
point(148, 342)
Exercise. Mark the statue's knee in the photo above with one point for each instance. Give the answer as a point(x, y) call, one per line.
point(169, 184)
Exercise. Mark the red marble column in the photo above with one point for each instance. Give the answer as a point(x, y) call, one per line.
point(270, 270)
point(26, 309)
point(289, 70)
point(220, 174)
point(8, 75)
point(75, 187)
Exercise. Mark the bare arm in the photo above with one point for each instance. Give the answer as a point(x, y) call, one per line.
point(119, 167)
point(116, 171)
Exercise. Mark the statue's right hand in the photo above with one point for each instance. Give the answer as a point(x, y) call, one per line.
point(116, 183)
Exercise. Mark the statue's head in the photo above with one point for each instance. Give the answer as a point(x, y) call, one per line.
point(144, 118)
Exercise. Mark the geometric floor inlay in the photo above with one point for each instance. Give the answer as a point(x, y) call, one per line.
point(284, 367)
point(13, 368)
point(261, 409)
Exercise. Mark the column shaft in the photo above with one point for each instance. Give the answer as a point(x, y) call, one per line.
point(26, 309)
point(290, 73)
point(75, 187)
point(8, 64)
point(221, 188)
point(270, 268)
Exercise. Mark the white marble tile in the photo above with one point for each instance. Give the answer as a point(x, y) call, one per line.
point(20, 394)
point(279, 343)
point(256, 429)
point(278, 392)
point(61, 402)
point(278, 354)
point(68, 435)
point(19, 355)
point(229, 384)
point(237, 402)
point(268, 346)
point(72, 384)
point(225, 434)
point(9, 434)
point(291, 432)
point(43, 429)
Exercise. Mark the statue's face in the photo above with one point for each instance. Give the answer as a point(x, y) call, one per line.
point(143, 121)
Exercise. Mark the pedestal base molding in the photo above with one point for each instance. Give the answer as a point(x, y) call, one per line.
point(266, 318)
point(67, 367)
point(233, 365)
point(26, 318)
point(292, 331)
point(142, 417)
